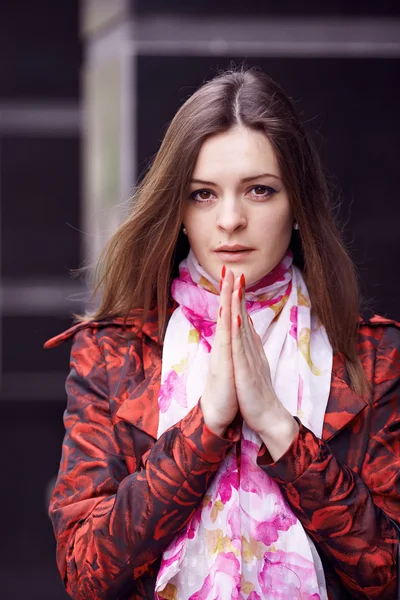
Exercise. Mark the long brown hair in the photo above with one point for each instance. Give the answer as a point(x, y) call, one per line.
point(136, 267)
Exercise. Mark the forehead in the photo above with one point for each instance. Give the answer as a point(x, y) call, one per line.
point(238, 152)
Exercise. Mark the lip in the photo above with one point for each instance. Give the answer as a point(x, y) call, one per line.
point(234, 256)
point(234, 248)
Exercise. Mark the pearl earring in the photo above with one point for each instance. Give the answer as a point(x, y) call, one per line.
point(184, 230)
point(296, 225)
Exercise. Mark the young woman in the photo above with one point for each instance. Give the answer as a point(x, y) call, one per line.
point(232, 428)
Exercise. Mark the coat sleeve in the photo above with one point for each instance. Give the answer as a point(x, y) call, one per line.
point(348, 515)
point(110, 526)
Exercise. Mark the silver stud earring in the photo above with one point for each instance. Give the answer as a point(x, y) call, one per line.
point(296, 225)
point(184, 230)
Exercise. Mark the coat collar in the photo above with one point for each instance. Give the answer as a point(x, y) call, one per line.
point(343, 403)
point(141, 408)
point(132, 321)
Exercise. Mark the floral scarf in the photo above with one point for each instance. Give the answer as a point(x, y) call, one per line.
point(244, 542)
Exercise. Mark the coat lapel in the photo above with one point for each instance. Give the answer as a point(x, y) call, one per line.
point(343, 404)
point(140, 408)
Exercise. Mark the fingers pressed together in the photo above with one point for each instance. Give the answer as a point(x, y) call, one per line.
point(232, 311)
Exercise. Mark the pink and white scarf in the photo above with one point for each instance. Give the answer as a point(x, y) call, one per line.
point(244, 542)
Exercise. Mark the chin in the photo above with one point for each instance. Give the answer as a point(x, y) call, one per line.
point(249, 274)
point(254, 276)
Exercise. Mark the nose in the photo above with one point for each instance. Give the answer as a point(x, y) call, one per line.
point(231, 214)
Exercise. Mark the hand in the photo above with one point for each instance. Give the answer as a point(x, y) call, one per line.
point(259, 405)
point(219, 402)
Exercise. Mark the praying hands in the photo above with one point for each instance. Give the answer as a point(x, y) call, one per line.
point(239, 375)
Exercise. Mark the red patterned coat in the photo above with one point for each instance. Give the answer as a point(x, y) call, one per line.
point(121, 496)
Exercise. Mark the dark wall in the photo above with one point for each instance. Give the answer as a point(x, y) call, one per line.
point(40, 58)
point(333, 8)
point(39, 50)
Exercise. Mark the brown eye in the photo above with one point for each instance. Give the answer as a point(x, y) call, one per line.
point(262, 191)
point(259, 190)
point(202, 196)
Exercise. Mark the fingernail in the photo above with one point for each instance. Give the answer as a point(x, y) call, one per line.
point(223, 271)
point(220, 284)
point(240, 294)
point(242, 280)
point(220, 312)
point(239, 321)
point(251, 320)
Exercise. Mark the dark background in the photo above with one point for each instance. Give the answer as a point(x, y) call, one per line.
point(350, 106)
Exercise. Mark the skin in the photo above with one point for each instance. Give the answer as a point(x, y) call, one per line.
point(255, 213)
point(248, 387)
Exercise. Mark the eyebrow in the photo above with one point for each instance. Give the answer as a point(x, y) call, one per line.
point(244, 180)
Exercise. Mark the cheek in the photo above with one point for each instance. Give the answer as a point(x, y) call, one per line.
point(198, 222)
point(197, 233)
point(276, 226)
point(285, 219)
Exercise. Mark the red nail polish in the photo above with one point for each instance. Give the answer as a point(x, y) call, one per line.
point(242, 280)
point(239, 320)
point(220, 311)
point(220, 284)
point(223, 271)
point(240, 294)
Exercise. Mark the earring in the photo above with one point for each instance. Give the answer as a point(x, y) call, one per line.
point(296, 225)
point(184, 230)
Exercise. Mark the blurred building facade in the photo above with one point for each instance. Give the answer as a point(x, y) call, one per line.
point(86, 92)
point(40, 202)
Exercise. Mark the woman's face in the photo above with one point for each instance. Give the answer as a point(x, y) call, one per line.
point(238, 212)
